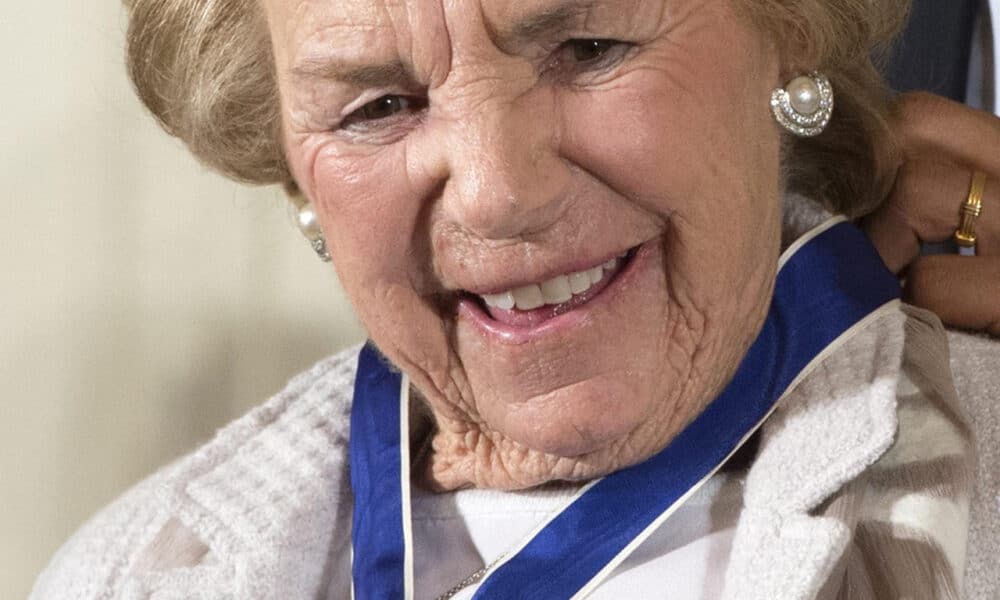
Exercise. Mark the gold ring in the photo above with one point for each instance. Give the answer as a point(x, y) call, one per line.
point(965, 235)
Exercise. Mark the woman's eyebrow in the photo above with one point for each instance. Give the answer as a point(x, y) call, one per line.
point(557, 16)
point(354, 74)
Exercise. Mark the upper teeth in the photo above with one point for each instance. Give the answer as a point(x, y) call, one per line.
point(554, 291)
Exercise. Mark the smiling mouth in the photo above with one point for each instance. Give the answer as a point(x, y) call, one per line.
point(532, 305)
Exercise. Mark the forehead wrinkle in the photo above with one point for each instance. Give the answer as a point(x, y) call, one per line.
point(428, 41)
point(361, 44)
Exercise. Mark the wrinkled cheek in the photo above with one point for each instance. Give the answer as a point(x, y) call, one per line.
point(678, 164)
point(675, 156)
point(367, 214)
point(372, 224)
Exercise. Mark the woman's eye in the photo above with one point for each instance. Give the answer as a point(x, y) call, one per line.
point(384, 107)
point(585, 51)
point(587, 57)
point(384, 120)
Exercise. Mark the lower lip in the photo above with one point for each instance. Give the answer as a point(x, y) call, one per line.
point(471, 310)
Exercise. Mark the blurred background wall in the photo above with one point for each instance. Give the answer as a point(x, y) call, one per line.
point(144, 302)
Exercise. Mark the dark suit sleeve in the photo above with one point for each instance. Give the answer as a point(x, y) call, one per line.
point(933, 53)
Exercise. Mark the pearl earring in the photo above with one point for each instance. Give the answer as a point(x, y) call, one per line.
point(805, 105)
point(309, 226)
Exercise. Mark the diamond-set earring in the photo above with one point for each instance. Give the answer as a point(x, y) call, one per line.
point(804, 106)
point(308, 224)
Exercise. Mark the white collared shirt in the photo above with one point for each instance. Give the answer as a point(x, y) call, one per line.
point(685, 559)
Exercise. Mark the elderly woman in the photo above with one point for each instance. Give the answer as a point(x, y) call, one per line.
point(620, 344)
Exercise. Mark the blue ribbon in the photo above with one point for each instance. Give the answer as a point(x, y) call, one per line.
point(828, 286)
point(377, 529)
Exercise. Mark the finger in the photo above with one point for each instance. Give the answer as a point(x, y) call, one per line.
point(924, 206)
point(963, 291)
point(914, 212)
point(931, 126)
point(890, 231)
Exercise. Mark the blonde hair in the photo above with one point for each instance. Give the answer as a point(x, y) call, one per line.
point(205, 69)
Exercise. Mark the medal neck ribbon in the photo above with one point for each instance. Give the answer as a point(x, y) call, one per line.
point(827, 284)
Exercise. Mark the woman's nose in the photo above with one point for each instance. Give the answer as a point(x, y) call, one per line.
point(505, 178)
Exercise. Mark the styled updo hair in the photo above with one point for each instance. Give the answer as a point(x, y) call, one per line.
point(205, 69)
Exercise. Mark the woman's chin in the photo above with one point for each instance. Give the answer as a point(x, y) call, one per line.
point(584, 421)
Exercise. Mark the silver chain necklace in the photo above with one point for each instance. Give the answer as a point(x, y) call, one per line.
point(470, 580)
point(476, 577)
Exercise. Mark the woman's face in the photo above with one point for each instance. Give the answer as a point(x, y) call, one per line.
point(457, 150)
